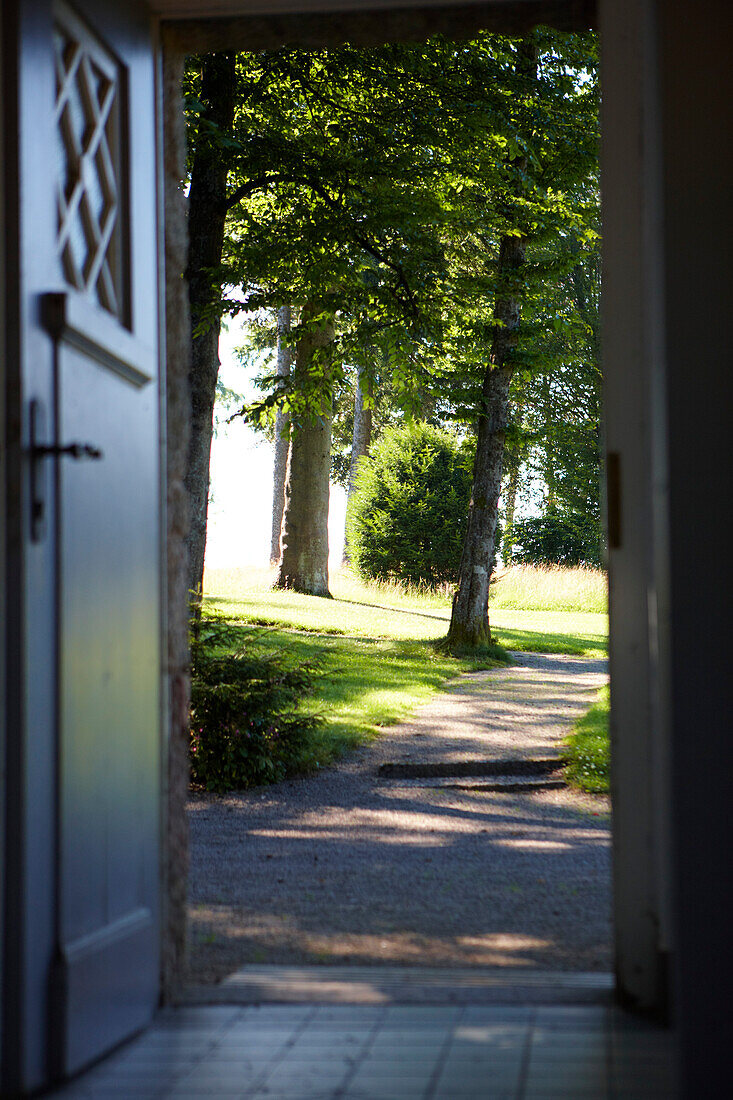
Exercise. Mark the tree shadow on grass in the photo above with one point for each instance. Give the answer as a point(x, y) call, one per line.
point(397, 610)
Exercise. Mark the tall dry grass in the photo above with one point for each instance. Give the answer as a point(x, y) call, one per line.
point(549, 588)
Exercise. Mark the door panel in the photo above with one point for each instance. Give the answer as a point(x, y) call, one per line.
point(108, 682)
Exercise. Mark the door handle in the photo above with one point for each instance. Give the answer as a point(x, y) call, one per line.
point(41, 451)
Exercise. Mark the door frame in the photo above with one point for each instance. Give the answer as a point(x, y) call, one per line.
point(632, 363)
point(639, 581)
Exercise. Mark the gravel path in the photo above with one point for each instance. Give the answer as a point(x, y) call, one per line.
point(347, 868)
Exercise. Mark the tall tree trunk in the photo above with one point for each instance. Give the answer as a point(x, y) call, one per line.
point(514, 453)
point(469, 625)
point(549, 460)
point(206, 216)
point(282, 435)
point(584, 299)
point(361, 441)
point(304, 560)
point(514, 463)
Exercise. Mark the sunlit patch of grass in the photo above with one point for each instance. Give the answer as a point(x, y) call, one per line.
point(550, 588)
point(233, 582)
point(397, 612)
point(520, 588)
point(344, 585)
point(588, 751)
point(337, 616)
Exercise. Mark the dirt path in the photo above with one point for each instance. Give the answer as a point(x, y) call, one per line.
point(348, 868)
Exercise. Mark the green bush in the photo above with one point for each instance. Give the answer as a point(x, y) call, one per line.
point(408, 513)
point(246, 729)
point(557, 538)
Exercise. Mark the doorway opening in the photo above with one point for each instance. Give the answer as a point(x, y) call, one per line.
point(367, 878)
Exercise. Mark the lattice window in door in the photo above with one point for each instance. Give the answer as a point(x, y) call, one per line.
point(90, 231)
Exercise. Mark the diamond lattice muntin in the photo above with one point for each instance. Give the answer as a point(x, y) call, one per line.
point(87, 107)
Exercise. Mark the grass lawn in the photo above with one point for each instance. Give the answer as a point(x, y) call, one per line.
point(365, 683)
point(375, 644)
point(588, 747)
point(389, 611)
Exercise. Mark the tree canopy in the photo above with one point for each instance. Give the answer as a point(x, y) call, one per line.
point(434, 207)
point(378, 183)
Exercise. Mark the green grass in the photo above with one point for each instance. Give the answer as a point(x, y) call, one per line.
point(365, 683)
point(377, 644)
point(396, 612)
point(588, 751)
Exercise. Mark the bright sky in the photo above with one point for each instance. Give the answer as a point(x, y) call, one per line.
point(241, 484)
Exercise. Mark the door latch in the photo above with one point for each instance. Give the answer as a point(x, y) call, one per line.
point(41, 451)
point(73, 450)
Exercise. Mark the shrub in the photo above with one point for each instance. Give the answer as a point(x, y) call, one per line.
point(408, 513)
point(557, 538)
point(246, 728)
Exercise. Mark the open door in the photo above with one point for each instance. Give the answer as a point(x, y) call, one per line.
point(106, 404)
point(84, 930)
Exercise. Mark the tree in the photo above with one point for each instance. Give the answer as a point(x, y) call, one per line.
point(557, 538)
point(346, 175)
point(515, 448)
point(361, 439)
point(553, 458)
point(407, 516)
point(536, 202)
point(391, 187)
point(304, 560)
point(211, 115)
point(469, 625)
point(282, 434)
point(334, 220)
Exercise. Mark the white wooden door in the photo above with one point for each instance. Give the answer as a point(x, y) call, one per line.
point(88, 853)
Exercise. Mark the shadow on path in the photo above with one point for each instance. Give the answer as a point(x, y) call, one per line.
point(345, 868)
